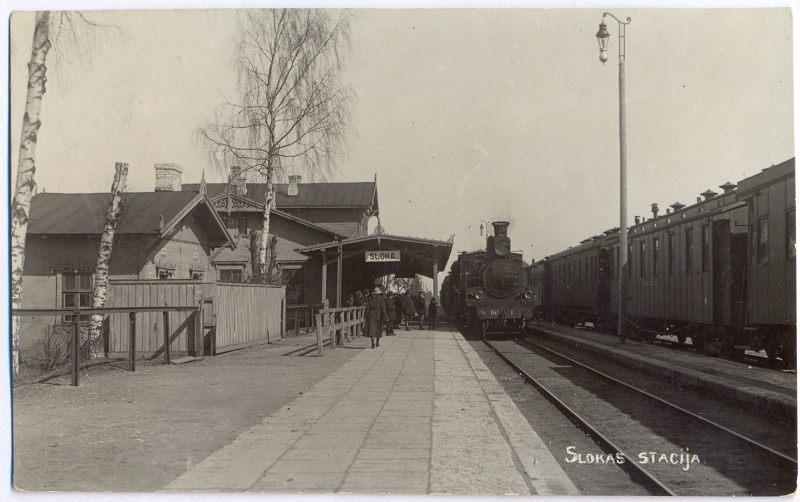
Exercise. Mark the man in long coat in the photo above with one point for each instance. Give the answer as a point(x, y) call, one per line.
point(391, 311)
point(419, 303)
point(376, 314)
point(408, 309)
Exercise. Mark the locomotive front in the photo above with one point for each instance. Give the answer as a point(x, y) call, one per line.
point(498, 294)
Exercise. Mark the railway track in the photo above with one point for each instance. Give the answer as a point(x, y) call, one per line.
point(663, 446)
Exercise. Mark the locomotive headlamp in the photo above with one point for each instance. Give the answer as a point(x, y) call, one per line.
point(528, 294)
point(479, 295)
point(602, 39)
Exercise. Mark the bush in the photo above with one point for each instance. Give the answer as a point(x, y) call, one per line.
point(54, 347)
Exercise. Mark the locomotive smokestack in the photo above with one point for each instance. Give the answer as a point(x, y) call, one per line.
point(500, 228)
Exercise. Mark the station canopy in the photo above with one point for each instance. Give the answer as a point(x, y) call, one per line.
point(383, 254)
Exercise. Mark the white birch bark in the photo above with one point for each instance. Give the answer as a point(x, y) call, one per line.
point(25, 186)
point(263, 264)
point(100, 289)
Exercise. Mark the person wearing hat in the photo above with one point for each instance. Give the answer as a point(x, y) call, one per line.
point(391, 311)
point(433, 313)
point(376, 315)
point(408, 309)
point(419, 303)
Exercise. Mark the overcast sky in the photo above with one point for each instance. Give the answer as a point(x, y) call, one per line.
point(464, 115)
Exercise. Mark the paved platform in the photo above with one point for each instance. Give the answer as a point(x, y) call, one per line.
point(772, 390)
point(421, 414)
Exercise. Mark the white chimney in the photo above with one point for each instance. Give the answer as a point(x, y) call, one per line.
point(168, 177)
point(293, 181)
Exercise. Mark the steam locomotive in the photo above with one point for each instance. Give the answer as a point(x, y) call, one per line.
point(488, 291)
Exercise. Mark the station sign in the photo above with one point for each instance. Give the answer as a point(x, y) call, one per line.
point(381, 256)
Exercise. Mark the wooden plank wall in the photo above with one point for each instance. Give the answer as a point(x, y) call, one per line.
point(247, 314)
point(149, 329)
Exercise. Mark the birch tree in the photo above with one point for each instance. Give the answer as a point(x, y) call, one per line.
point(100, 288)
point(75, 34)
point(25, 186)
point(291, 110)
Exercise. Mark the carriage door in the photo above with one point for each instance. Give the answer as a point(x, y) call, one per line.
point(604, 282)
point(729, 262)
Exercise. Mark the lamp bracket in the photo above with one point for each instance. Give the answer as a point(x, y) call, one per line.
point(622, 25)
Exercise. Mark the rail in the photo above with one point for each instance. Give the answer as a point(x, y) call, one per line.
point(132, 311)
point(348, 322)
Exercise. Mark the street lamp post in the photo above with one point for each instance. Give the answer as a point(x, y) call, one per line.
point(602, 38)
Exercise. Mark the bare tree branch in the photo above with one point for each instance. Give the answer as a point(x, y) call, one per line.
point(292, 113)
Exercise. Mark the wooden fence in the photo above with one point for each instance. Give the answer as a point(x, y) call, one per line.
point(184, 326)
point(247, 314)
point(346, 322)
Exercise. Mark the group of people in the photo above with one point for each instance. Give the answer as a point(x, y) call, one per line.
point(391, 310)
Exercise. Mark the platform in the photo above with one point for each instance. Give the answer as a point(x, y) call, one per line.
point(421, 414)
point(772, 390)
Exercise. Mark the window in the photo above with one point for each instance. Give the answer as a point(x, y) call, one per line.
point(197, 274)
point(241, 231)
point(165, 273)
point(791, 239)
point(689, 246)
point(763, 240)
point(641, 258)
point(628, 260)
point(230, 275)
point(655, 257)
point(294, 279)
point(706, 248)
point(76, 292)
point(671, 253)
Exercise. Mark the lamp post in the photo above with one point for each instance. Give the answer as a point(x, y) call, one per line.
point(602, 38)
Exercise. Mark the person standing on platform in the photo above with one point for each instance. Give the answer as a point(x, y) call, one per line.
point(408, 309)
point(358, 301)
point(376, 315)
point(398, 308)
point(433, 313)
point(391, 312)
point(419, 303)
point(350, 301)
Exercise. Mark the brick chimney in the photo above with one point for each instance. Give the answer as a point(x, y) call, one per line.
point(168, 177)
point(238, 180)
point(293, 181)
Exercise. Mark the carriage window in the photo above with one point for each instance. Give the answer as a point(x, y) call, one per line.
point(791, 240)
point(706, 248)
point(671, 253)
point(763, 239)
point(689, 246)
point(628, 261)
point(641, 258)
point(655, 257)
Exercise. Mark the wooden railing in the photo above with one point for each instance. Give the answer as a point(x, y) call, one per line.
point(76, 315)
point(346, 322)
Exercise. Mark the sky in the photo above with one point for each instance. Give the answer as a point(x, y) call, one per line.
point(463, 115)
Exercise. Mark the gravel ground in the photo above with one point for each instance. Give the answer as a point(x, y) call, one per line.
point(136, 432)
point(557, 432)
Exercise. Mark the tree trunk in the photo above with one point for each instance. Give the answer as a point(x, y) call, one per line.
point(263, 265)
point(100, 289)
point(20, 206)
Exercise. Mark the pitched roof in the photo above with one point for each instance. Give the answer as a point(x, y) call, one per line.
point(356, 194)
point(142, 213)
